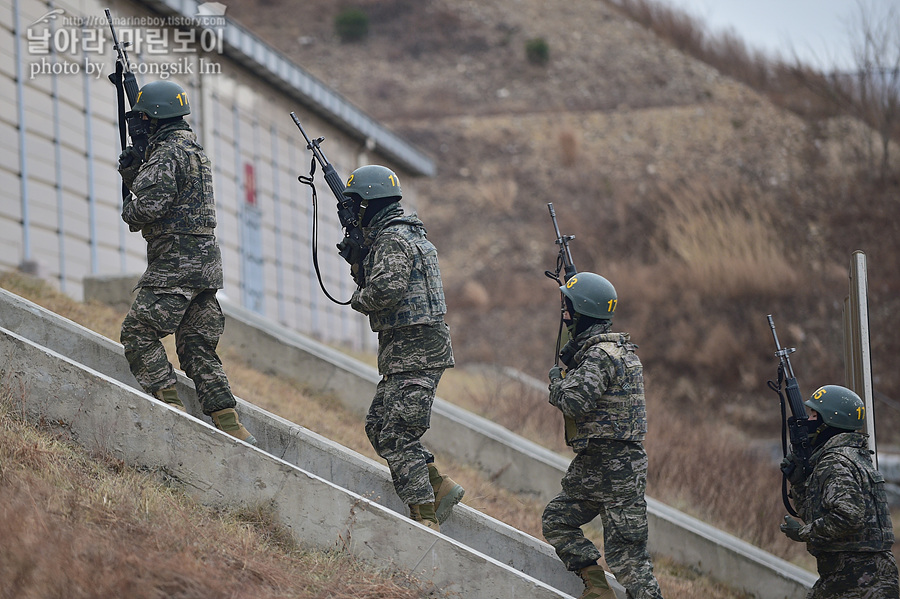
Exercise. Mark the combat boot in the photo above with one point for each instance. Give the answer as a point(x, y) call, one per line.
point(424, 514)
point(170, 396)
point(227, 420)
point(447, 493)
point(595, 585)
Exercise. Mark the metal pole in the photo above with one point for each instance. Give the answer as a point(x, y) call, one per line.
point(857, 345)
point(57, 171)
point(20, 116)
point(89, 154)
point(276, 200)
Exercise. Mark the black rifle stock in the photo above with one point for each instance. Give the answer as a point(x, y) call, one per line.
point(127, 86)
point(797, 422)
point(352, 249)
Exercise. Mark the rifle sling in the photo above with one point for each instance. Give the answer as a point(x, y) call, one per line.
point(117, 80)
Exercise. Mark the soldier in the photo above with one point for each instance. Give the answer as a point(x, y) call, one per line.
point(173, 207)
point(842, 500)
point(403, 296)
point(602, 398)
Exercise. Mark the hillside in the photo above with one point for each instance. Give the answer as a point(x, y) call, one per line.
point(707, 205)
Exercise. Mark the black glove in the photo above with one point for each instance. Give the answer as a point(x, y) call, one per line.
point(792, 529)
point(128, 157)
point(351, 251)
point(555, 374)
point(130, 162)
point(568, 351)
point(556, 377)
point(794, 469)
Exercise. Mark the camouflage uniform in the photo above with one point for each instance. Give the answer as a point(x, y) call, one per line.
point(603, 393)
point(848, 528)
point(174, 209)
point(404, 300)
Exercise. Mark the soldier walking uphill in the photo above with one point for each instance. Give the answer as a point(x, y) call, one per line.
point(842, 500)
point(173, 207)
point(403, 296)
point(602, 397)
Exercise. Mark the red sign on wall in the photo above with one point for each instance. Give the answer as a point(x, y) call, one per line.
point(249, 184)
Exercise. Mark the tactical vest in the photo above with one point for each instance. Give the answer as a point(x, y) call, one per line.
point(194, 211)
point(423, 302)
point(877, 533)
point(621, 411)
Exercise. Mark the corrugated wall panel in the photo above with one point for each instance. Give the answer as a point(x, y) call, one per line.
point(240, 118)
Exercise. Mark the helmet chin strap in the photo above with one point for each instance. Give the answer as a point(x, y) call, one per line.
point(572, 325)
point(363, 204)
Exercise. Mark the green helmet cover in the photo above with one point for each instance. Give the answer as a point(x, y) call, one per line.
point(839, 407)
point(591, 295)
point(372, 182)
point(162, 100)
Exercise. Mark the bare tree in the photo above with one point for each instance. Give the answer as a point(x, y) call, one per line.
point(875, 86)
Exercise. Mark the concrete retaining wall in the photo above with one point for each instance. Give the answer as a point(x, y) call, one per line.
point(101, 413)
point(517, 463)
point(296, 445)
point(514, 462)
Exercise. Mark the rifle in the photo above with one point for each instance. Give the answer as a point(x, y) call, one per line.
point(351, 248)
point(798, 422)
point(127, 86)
point(565, 265)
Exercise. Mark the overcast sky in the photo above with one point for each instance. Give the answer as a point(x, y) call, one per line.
point(820, 32)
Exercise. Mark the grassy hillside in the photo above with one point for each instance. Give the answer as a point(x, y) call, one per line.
point(708, 203)
point(711, 187)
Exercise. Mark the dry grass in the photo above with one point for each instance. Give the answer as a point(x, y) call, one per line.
point(726, 240)
point(85, 526)
point(157, 529)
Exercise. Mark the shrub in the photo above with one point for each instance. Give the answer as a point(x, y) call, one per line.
point(537, 50)
point(351, 25)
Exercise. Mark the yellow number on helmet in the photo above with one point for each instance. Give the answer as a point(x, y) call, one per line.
point(571, 282)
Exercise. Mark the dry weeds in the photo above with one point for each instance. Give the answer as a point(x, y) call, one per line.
point(88, 526)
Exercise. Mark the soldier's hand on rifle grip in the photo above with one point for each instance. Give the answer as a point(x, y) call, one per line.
point(351, 251)
point(793, 469)
point(793, 530)
point(130, 161)
point(567, 353)
point(555, 374)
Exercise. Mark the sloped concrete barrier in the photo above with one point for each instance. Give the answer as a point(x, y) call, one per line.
point(101, 413)
point(514, 462)
point(526, 467)
point(296, 445)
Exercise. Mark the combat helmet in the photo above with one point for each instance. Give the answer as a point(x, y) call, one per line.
point(839, 407)
point(591, 295)
point(162, 100)
point(373, 182)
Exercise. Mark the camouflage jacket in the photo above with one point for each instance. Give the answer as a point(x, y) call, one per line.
point(404, 296)
point(843, 501)
point(603, 391)
point(174, 208)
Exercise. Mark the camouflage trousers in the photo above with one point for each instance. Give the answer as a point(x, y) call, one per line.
point(606, 479)
point(856, 575)
point(197, 322)
point(398, 417)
